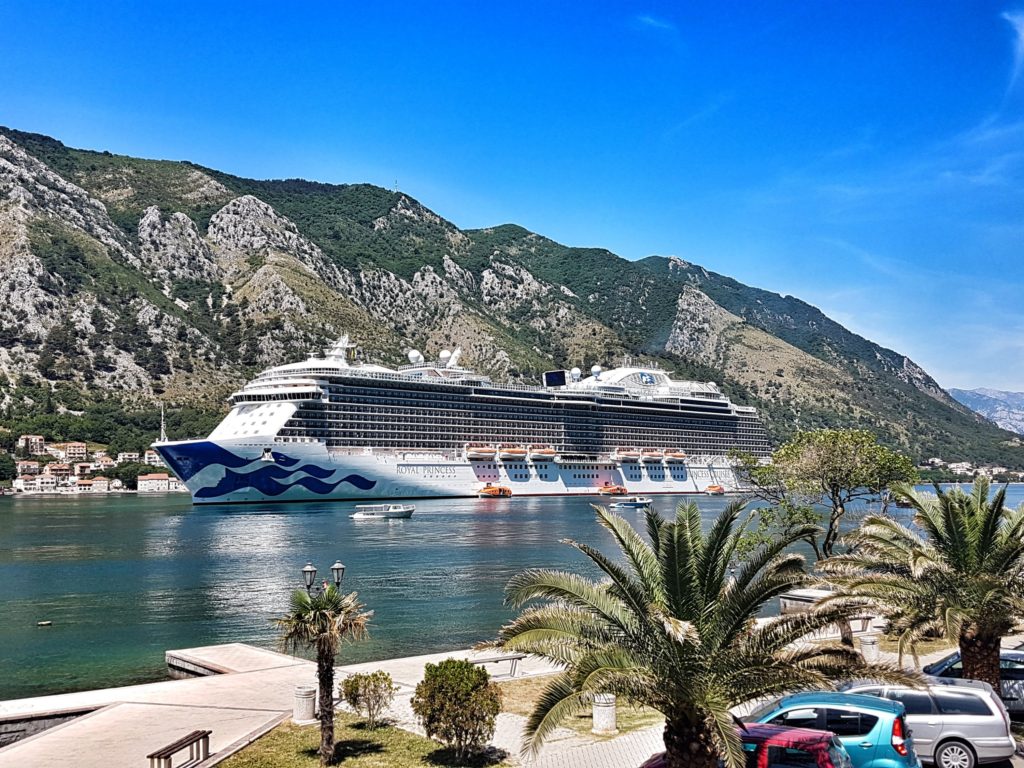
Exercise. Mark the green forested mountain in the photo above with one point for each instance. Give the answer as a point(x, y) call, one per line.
point(127, 280)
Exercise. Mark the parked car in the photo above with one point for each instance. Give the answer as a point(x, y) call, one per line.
point(955, 723)
point(775, 746)
point(872, 729)
point(1011, 671)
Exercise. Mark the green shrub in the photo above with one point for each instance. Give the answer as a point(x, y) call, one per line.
point(457, 704)
point(369, 694)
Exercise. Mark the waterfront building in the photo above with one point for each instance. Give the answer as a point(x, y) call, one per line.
point(75, 452)
point(34, 445)
point(26, 483)
point(83, 468)
point(83, 485)
point(325, 428)
point(152, 458)
point(103, 463)
point(128, 457)
point(60, 471)
point(156, 482)
point(46, 483)
point(27, 467)
point(100, 484)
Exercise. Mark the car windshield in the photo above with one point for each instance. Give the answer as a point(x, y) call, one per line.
point(762, 709)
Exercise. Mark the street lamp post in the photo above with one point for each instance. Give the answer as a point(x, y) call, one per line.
point(309, 577)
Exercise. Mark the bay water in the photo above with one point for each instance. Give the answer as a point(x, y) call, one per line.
point(125, 578)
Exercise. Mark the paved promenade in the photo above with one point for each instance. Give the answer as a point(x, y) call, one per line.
point(252, 694)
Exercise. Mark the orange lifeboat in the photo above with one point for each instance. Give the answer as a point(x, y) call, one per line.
point(494, 491)
point(539, 452)
point(480, 452)
point(622, 455)
point(511, 453)
point(652, 455)
point(675, 457)
point(613, 490)
point(714, 490)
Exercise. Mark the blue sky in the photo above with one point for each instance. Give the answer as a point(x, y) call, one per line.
point(867, 157)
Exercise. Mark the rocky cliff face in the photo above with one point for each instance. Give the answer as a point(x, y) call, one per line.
point(153, 279)
point(1003, 408)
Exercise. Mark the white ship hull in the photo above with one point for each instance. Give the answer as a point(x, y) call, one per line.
point(226, 472)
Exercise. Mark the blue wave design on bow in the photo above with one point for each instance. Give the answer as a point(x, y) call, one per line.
point(265, 480)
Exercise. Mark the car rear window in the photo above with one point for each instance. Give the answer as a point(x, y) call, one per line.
point(843, 722)
point(951, 703)
point(791, 757)
point(916, 702)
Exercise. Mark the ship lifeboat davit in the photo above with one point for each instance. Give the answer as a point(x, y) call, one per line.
point(624, 455)
point(613, 490)
point(494, 491)
point(714, 490)
point(651, 455)
point(675, 457)
point(541, 453)
point(480, 452)
point(511, 453)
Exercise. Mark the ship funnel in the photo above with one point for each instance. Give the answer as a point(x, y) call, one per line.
point(454, 359)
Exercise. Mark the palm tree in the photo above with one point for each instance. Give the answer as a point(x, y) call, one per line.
point(674, 629)
point(959, 572)
point(321, 621)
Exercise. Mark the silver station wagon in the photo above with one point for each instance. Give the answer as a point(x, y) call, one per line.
point(954, 723)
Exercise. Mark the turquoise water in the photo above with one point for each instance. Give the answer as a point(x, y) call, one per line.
point(125, 578)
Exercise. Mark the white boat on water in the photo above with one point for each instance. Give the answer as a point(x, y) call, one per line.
point(632, 502)
point(383, 511)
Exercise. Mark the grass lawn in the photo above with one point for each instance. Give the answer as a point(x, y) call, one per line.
point(924, 647)
point(292, 746)
point(518, 697)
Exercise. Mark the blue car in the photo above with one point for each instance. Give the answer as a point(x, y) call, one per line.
point(872, 729)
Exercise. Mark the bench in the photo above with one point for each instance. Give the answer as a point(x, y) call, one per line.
point(513, 657)
point(198, 743)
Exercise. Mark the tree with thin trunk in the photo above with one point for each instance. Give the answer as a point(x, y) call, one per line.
point(959, 573)
point(812, 481)
point(320, 622)
point(673, 625)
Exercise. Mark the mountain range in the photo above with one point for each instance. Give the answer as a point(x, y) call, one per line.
point(129, 280)
point(1005, 409)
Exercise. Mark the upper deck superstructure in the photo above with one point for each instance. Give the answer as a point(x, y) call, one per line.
point(335, 407)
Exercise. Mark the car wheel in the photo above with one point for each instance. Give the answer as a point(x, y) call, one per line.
point(954, 754)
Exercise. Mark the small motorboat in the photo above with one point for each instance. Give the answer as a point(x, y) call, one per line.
point(494, 491)
point(383, 511)
point(612, 490)
point(715, 490)
point(632, 502)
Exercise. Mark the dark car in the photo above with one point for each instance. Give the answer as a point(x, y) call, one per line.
point(778, 746)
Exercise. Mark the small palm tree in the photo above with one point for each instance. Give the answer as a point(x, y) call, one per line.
point(321, 621)
point(674, 629)
point(959, 573)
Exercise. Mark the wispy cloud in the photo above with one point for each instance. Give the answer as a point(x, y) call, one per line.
point(653, 22)
point(1016, 20)
point(699, 115)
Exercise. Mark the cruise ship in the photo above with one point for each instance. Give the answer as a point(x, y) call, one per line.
point(334, 428)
